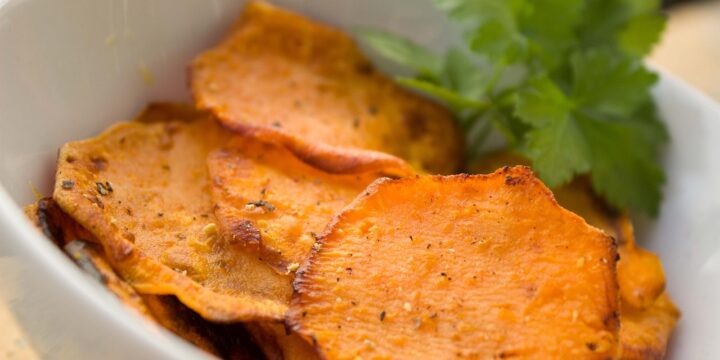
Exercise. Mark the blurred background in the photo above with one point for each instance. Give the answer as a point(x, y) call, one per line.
point(689, 50)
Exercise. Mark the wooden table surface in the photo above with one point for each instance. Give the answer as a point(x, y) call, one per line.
point(690, 49)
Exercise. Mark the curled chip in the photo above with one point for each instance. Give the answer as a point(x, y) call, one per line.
point(81, 247)
point(281, 77)
point(267, 200)
point(142, 189)
point(476, 266)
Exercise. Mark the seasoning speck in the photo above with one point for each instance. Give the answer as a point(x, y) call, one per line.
point(101, 189)
point(317, 246)
point(382, 315)
point(68, 184)
point(407, 306)
point(210, 229)
point(292, 267)
point(580, 261)
point(261, 203)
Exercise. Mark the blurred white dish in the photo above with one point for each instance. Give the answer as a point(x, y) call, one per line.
point(68, 69)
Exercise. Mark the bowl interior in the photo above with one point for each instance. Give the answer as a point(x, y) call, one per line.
point(69, 69)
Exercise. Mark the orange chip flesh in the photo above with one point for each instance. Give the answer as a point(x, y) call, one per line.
point(475, 266)
point(143, 190)
point(267, 200)
point(647, 315)
point(282, 77)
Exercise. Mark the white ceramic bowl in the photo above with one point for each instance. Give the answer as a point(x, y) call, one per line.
point(68, 69)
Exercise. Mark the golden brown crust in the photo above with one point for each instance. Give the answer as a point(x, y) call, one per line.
point(466, 265)
point(142, 189)
point(283, 78)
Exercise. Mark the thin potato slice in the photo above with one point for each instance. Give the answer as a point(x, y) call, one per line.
point(267, 200)
point(142, 189)
point(474, 266)
point(281, 77)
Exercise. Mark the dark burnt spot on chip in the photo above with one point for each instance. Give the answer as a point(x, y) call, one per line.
point(612, 317)
point(47, 223)
point(509, 180)
point(99, 163)
point(364, 68)
point(416, 123)
point(591, 346)
point(242, 232)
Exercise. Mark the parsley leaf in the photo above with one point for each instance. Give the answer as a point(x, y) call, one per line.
point(562, 80)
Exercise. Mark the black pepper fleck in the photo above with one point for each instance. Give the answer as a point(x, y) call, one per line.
point(382, 315)
point(262, 203)
point(101, 189)
point(68, 184)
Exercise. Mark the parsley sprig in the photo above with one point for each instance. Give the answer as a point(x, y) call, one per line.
point(562, 80)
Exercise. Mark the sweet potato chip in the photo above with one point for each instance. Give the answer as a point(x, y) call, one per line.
point(268, 200)
point(475, 266)
point(277, 342)
point(284, 78)
point(647, 315)
point(142, 189)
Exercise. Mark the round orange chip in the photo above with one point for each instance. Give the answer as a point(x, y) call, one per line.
point(470, 266)
point(142, 189)
point(283, 78)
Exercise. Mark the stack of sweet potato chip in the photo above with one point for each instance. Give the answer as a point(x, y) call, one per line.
point(291, 193)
